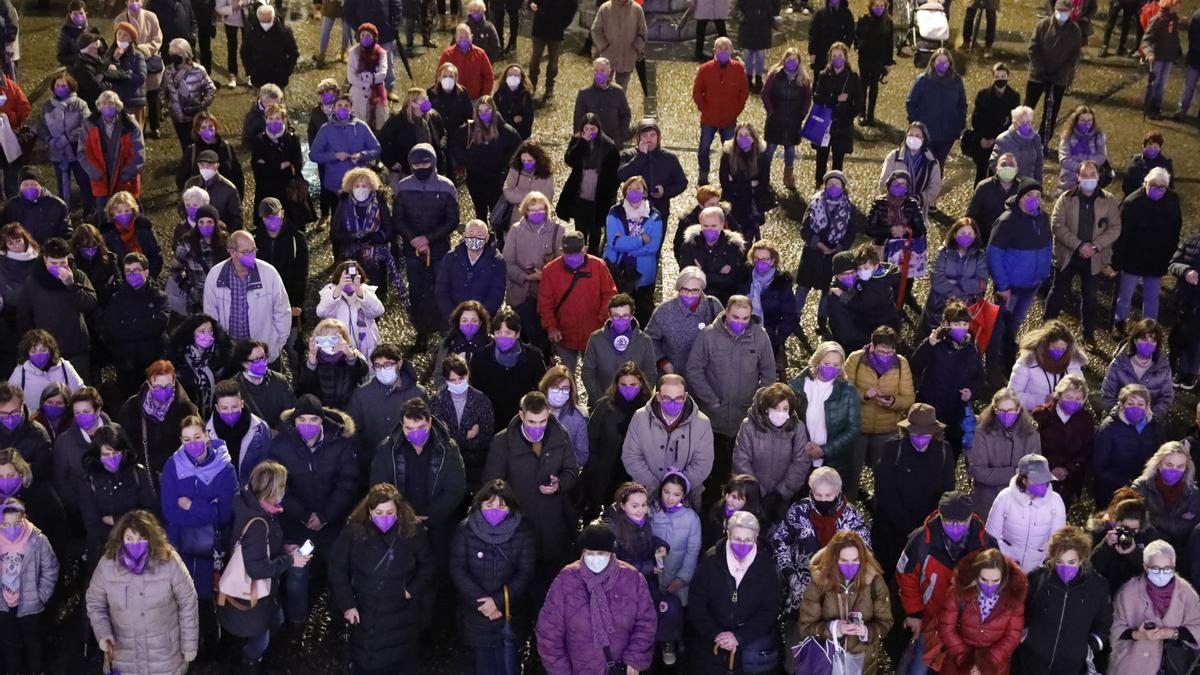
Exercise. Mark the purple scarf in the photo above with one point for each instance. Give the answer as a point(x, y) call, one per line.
point(1160, 598)
point(207, 472)
point(599, 613)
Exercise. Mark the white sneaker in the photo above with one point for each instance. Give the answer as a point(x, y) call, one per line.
point(232, 84)
point(668, 653)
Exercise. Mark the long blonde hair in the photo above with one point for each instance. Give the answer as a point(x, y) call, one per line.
point(801, 74)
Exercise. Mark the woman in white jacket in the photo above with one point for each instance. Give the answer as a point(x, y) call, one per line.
point(41, 363)
point(1026, 513)
point(353, 302)
point(366, 71)
point(1047, 354)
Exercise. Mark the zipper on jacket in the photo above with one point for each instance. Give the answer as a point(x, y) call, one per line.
point(1061, 614)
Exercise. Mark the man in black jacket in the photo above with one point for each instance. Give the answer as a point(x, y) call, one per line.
point(660, 168)
point(136, 316)
point(59, 296)
point(269, 50)
point(43, 214)
point(550, 21)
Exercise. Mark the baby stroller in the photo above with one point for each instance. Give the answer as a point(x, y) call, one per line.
point(928, 30)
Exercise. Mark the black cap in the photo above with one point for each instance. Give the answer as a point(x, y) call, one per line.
point(843, 262)
point(597, 537)
point(208, 211)
point(87, 38)
point(573, 242)
point(208, 156)
point(955, 506)
point(308, 405)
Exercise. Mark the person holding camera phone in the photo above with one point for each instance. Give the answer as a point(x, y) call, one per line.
point(1151, 612)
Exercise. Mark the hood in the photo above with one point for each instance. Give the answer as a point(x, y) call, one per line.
point(763, 423)
point(1012, 483)
point(335, 422)
point(693, 236)
point(217, 461)
point(1013, 593)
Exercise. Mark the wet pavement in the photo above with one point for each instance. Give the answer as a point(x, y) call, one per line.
point(1114, 86)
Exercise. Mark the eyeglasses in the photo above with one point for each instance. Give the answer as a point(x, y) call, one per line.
point(1164, 570)
point(691, 291)
point(677, 399)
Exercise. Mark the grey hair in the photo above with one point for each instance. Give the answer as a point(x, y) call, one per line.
point(1169, 448)
point(825, 475)
point(1158, 547)
point(1021, 111)
point(269, 89)
point(688, 273)
point(602, 61)
point(265, 9)
point(1071, 382)
point(110, 97)
point(713, 211)
point(1158, 175)
point(743, 519)
point(196, 191)
point(181, 47)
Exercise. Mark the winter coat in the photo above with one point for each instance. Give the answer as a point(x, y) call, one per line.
point(484, 36)
point(569, 199)
point(1063, 621)
point(271, 56)
point(619, 34)
point(32, 381)
point(1121, 450)
point(288, 254)
point(383, 576)
point(487, 561)
point(718, 603)
point(925, 570)
point(1149, 232)
point(659, 168)
point(651, 449)
point(459, 279)
point(399, 135)
point(564, 627)
point(364, 81)
point(621, 245)
point(896, 381)
point(386, 15)
point(603, 357)
point(1139, 165)
point(908, 484)
point(528, 248)
point(511, 458)
point(474, 69)
point(375, 407)
point(551, 20)
point(128, 78)
point(264, 558)
point(505, 386)
point(924, 193)
point(578, 315)
point(351, 310)
point(608, 104)
point(146, 239)
point(876, 44)
point(829, 24)
point(61, 126)
point(352, 136)
point(795, 543)
point(843, 416)
point(728, 251)
point(962, 276)
point(1019, 250)
point(748, 202)
point(270, 309)
point(1069, 158)
point(992, 460)
point(720, 91)
point(1156, 379)
point(189, 90)
point(863, 307)
point(774, 455)
point(830, 85)
point(130, 156)
point(940, 102)
point(824, 604)
point(333, 382)
point(152, 440)
point(607, 426)
point(251, 451)
point(518, 183)
point(484, 161)
point(972, 641)
point(31, 439)
point(226, 201)
point(787, 101)
point(447, 479)
point(756, 25)
point(68, 451)
point(453, 108)
point(1034, 384)
point(267, 399)
point(724, 370)
point(1132, 609)
point(1066, 444)
point(816, 267)
point(1054, 51)
point(1023, 523)
point(1106, 228)
point(1175, 522)
point(674, 328)
point(1027, 150)
point(98, 492)
point(680, 531)
point(778, 302)
point(1161, 40)
point(270, 179)
point(39, 574)
point(322, 479)
point(211, 510)
point(942, 370)
point(992, 113)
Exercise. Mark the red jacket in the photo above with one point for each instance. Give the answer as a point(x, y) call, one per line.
point(17, 105)
point(109, 180)
point(969, 640)
point(585, 309)
point(720, 93)
point(474, 70)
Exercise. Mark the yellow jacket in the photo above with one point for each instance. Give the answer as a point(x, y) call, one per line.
point(897, 381)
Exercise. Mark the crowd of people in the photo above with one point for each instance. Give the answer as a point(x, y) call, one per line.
point(604, 471)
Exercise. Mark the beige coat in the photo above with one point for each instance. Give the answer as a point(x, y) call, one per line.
point(149, 40)
point(619, 34)
point(933, 187)
point(1065, 224)
point(525, 248)
point(517, 184)
point(1132, 608)
point(152, 618)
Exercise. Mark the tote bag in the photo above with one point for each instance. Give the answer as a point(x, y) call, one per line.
point(236, 583)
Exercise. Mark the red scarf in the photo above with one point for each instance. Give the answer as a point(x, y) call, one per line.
point(1170, 493)
point(825, 526)
point(129, 236)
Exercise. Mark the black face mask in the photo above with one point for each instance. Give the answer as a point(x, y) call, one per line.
point(423, 174)
point(1000, 84)
point(825, 508)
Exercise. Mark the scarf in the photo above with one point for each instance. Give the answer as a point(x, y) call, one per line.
point(153, 408)
point(636, 213)
point(1160, 598)
point(1170, 493)
point(826, 526)
point(12, 559)
point(198, 360)
point(758, 284)
point(986, 604)
point(738, 568)
point(599, 611)
point(817, 392)
point(1081, 143)
point(501, 533)
point(208, 470)
point(915, 164)
point(829, 219)
point(129, 236)
point(510, 359)
point(233, 435)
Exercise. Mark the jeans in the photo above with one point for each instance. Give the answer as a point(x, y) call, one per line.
point(327, 30)
point(295, 605)
point(1087, 291)
point(789, 153)
point(1156, 86)
point(707, 134)
point(63, 173)
point(918, 666)
point(553, 49)
point(1189, 87)
point(756, 61)
point(1033, 92)
point(1128, 284)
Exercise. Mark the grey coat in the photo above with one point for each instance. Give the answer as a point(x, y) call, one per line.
point(375, 407)
point(992, 460)
point(681, 531)
point(1157, 379)
point(39, 573)
point(601, 359)
point(650, 450)
point(674, 329)
point(955, 276)
point(1027, 150)
point(725, 370)
point(61, 128)
point(774, 455)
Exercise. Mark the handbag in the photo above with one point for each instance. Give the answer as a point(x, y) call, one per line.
point(501, 217)
point(154, 64)
point(625, 274)
point(761, 655)
point(236, 583)
point(198, 540)
point(611, 666)
point(1178, 657)
point(983, 321)
point(814, 656)
point(299, 207)
point(816, 127)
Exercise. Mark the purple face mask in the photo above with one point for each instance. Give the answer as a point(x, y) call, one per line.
point(1066, 572)
point(898, 189)
point(1007, 417)
point(635, 196)
point(1038, 489)
point(847, 280)
point(476, 16)
point(956, 531)
point(494, 516)
point(368, 41)
point(920, 441)
point(729, 511)
point(258, 368)
point(574, 260)
point(247, 259)
point(89, 252)
point(848, 570)
point(740, 550)
point(988, 589)
point(1156, 193)
point(1171, 476)
point(485, 116)
point(62, 92)
point(958, 334)
point(108, 111)
point(134, 556)
point(31, 193)
point(601, 78)
point(1146, 349)
point(882, 363)
point(112, 462)
point(328, 97)
point(1024, 129)
point(40, 359)
point(629, 391)
point(469, 330)
point(80, 20)
point(273, 223)
point(308, 430)
point(722, 57)
point(206, 229)
point(834, 191)
point(463, 45)
point(941, 67)
point(204, 340)
point(275, 126)
point(342, 114)
point(621, 325)
point(52, 411)
point(744, 142)
point(207, 134)
point(425, 106)
point(10, 486)
point(195, 449)
point(763, 266)
point(838, 62)
point(417, 436)
point(1032, 205)
point(710, 235)
point(12, 532)
point(671, 409)
point(827, 373)
point(163, 395)
point(536, 217)
point(533, 433)
point(528, 166)
point(383, 523)
point(1057, 353)
point(135, 279)
point(189, 210)
point(1135, 414)
point(1152, 152)
point(504, 343)
point(964, 240)
point(1069, 406)
point(85, 420)
point(230, 418)
point(736, 327)
point(877, 10)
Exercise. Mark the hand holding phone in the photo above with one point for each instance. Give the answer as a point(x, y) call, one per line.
point(307, 547)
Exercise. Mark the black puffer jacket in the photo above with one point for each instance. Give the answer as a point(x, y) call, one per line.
point(447, 478)
point(288, 253)
point(606, 434)
point(830, 24)
point(787, 101)
point(333, 383)
point(135, 320)
point(988, 203)
point(1149, 233)
point(427, 208)
point(160, 439)
point(1062, 621)
point(729, 251)
point(755, 28)
point(104, 493)
point(454, 108)
point(876, 43)
point(322, 479)
point(505, 386)
point(43, 218)
point(372, 571)
point(60, 309)
point(877, 221)
point(513, 104)
point(943, 369)
point(32, 440)
point(484, 161)
point(399, 135)
point(483, 561)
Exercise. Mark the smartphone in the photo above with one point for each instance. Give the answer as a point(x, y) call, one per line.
point(854, 617)
point(352, 271)
point(1149, 625)
point(307, 547)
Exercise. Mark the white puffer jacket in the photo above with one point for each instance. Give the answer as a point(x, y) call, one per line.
point(1023, 523)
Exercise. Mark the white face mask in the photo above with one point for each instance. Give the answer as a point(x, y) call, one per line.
point(1062, 17)
point(386, 376)
point(779, 417)
point(362, 194)
point(3, 99)
point(513, 81)
point(266, 25)
point(447, 84)
point(458, 389)
point(596, 562)
point(122, 44)
point(558, 398)
point(1089, 184)
point(914, 143)
point(208, 174)
point(1160, 579)
point(865, 275)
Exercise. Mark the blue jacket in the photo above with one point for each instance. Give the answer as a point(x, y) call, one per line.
point(212, 506)
point(253, 448)
point(939, 102)
point(459, 280)
point(1020, 249)
point(645, 253)
point(350, 136)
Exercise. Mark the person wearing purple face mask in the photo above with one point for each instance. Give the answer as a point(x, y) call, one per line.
point(282, 244)
point(197, 487)
point(720, 91)
point(29, 581)
point(634, 235)
point(139, 561)
point(679, 528)
point(483, 32)
point(153, 415)
point(43, 214)
point(1004, 433)
point(745, 176)
point(884, 381)
point(628, 516)
point(494, 523)
point(875, 34)
point(1128, 436)
point(75, 25)
point(839, 89)
point(592, 185)
point(85, 409)
point(59, 127)
point(832, 23)
point(39, 497)
point(1020, 261)
point(52, 410)
point(670, 431)
point(1141, 359)
point(135, 322)
point(831, 407)
point(43, 365)
point(123, 174)
point(949, 368)
point(619, 35)
point(606, 100)
point(938, 99)
point(1023, 142)
point(609, 419)
point(189, 90)
point(980, 621)
point(267, 393)
point(1167, 485)
point(1151, 156)
point(847, 600)
point(94, 259)
point(618, 342)
point(572, 296)
point(1151, 222)
point(276, 160)
point(474, 66)
point(772, 297)
point(244, 433)
point(1026, 513)
point(826, 229)
point(1067, 430)
point(717, 250)
point(786, 97)
point(482, 149)
point(247, 296)
point(897, 219)
point(198, 253)
point(367, 68)
point(507, 368)
point(199, 349)
point(528, 171)
point(1048, 354)
point(343, 143)
point(959, 272)
point(382, 527)
point(468, 333)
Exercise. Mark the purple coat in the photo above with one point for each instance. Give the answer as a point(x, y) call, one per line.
point(564, 628)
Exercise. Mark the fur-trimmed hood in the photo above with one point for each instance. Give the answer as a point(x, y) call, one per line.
point(1013, 593)
point(692, 235)
point(334, 421)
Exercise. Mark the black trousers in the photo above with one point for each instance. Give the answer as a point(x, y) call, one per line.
point(1077, 267)
point(1128, 14)
point(231, 59)
point(989, 16)
point(701, 25)
point(1033, 93)
point(500, 8)
point(823, 162)
point(21, 640)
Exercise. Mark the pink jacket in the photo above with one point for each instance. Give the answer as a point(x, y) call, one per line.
point(1132, 608)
